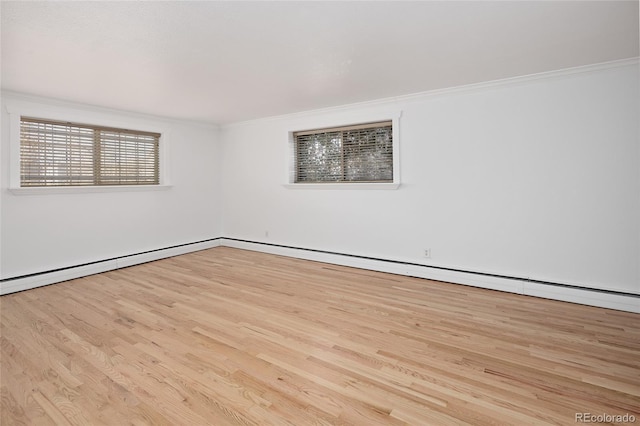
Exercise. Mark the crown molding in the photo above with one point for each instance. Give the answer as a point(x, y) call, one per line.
point(10, 98)
point(466, 88)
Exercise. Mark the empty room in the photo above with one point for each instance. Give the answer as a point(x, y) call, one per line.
point(320, 213)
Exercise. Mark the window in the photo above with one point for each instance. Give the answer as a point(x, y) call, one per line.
point(56, 153)
point(355, 154)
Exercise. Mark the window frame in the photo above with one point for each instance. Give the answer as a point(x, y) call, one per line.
point(97, 119)
point(394, 117)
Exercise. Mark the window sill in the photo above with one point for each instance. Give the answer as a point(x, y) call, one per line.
point(382, 186)
point(45, 190)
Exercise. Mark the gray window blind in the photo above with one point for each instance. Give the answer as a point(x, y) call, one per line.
point(54, 153)
point(359, 153)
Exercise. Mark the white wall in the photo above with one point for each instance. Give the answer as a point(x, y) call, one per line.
point(533, 177)
point(43, 232)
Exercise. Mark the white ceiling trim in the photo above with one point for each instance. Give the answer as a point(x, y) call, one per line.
point(467, 88)
point(225, 61)
point(16, 101)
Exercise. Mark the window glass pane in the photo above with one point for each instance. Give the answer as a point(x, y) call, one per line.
point(55, 154)
point(67, 154)
point(127, 159)
point(359, 153)
point(320, 157)
point(368, 155)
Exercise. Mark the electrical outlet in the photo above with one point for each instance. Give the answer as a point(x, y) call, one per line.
point(427, 253)
point(266, 234)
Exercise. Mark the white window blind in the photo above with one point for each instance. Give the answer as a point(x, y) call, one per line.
point(358, 153)
point(55, 153)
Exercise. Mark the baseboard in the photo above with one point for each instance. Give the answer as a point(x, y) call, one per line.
point(583, 296)
point(28, 282)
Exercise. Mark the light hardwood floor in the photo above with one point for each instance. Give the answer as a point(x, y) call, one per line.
point(226, 336)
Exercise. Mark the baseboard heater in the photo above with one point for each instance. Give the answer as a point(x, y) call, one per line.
point(611, 299)
point(538, 288)
point(39, 279)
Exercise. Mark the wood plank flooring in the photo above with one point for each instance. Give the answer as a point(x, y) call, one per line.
point(232, 337)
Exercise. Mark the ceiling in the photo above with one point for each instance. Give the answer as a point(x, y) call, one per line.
point(222, 62)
